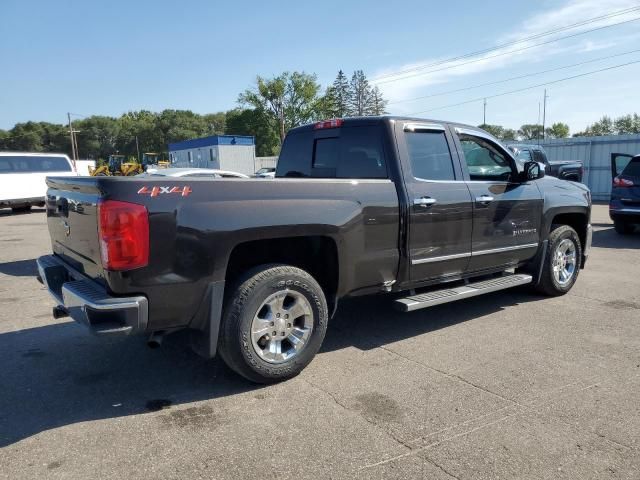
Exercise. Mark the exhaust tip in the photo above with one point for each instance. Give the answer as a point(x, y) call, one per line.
point(155, 340)
point(59, 312)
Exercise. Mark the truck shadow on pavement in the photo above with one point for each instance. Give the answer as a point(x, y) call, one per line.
point(59, 375)
point(609, 238)
point(20, 268)
point(368, 323)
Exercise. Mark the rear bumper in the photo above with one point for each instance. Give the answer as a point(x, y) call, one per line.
point(88, 303)
point(631, 214)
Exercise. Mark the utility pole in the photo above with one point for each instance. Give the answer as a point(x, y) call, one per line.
point(138, 148)
point(484, 115)
point(544, 114)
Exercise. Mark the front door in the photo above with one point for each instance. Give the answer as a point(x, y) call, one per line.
point(440, 208)
point(507, 212)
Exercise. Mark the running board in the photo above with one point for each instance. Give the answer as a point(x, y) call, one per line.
point(446, 295)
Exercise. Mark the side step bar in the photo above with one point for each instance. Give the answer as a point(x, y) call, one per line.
point(437, 297)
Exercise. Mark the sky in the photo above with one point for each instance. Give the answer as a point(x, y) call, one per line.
point(107, 58)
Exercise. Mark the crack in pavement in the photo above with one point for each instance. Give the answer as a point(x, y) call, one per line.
point(370, 422)
point(450, 375)
point(437, 465)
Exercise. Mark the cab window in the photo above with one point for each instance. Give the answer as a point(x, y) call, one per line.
point(430, 156)
point(484, 160)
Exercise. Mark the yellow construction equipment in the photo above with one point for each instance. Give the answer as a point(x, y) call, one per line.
point(151, 159)
point(116, 166)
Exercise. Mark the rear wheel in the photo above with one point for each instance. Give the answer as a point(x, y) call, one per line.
point(273, 324)
point(562, 262)
point(622, 227)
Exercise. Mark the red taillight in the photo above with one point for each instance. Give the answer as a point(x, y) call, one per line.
point(334, 123)
point(123, 228)
point(622, 182)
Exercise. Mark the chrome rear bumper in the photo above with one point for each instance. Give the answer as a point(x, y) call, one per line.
point(88, 303)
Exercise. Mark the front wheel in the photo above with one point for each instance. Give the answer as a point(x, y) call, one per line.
point(273, 324)
point(562, 262)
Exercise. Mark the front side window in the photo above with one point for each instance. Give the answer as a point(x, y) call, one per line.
point(484, 160)
point(430, 156)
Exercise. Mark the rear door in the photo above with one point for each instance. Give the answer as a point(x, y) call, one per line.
point(507, 213)
point(625, 170)
point(440, 208)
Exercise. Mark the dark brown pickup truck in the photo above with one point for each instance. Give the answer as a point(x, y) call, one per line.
point(426, 212)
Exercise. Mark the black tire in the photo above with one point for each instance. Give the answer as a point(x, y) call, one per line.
point(548, 284)
point(622, 227)
point(235, 344)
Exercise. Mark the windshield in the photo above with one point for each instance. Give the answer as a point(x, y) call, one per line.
point(33, 163)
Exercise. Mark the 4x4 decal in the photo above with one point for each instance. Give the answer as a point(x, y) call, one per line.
point(155, 191)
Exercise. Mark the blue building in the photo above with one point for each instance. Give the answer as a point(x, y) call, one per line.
point(225, 152)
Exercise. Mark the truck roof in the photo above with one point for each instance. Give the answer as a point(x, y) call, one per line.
point(377, 119)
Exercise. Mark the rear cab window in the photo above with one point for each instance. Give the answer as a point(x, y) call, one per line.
point(344, 152)
point(33, 164)
point(430, 155)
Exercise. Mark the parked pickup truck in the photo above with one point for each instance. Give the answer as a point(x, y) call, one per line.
point(564, 169)
point(424, 211)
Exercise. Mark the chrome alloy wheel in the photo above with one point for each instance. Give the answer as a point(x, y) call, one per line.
point(282, 326)
point(564, 261)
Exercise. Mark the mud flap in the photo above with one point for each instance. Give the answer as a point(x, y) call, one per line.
point(206, 324)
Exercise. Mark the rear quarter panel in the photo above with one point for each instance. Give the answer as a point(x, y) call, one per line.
point(192, 237)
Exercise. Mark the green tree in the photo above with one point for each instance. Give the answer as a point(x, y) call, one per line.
point(627, 124)
point(558, 130)
point(495, 130)
point(602, 127)
point(359, 95)
point(340, 94)
point(97, 137)
point(378, 103)
point(254, 122)
point(530, 131)
point(4, 137)
point(216, 122)
point(289, 99)
point(499, 131)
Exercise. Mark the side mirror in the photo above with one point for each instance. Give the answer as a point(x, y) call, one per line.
point(532, 171)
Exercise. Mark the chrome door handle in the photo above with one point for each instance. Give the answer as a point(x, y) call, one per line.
point(424, 202)
point(484, 199)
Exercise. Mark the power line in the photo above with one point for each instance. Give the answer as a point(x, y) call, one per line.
point(509, 52)
point(526, 88)
point(564, 67)
point(508, 44)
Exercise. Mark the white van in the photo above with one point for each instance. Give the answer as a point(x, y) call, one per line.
point(22, 177)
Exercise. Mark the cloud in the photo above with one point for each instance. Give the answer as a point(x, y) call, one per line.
point(433, 71)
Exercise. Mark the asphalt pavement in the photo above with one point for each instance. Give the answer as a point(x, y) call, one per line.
point(508, 385)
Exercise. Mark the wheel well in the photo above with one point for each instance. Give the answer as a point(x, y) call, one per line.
point(317, 255)
point(577, 221)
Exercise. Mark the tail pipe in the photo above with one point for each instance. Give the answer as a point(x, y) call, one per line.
point(155, 339)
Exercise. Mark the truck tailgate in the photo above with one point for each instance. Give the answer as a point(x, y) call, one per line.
point(73, 222)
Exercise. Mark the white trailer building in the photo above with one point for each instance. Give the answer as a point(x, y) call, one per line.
point(226, 152)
